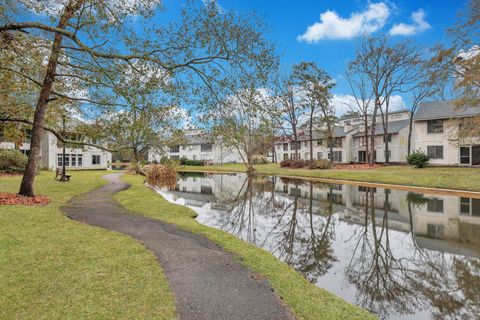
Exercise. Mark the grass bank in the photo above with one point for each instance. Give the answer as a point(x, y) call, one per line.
point(304, 299)
point(431, 177)
point(55, 268)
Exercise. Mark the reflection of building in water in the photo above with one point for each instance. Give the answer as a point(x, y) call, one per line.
point(435, 217)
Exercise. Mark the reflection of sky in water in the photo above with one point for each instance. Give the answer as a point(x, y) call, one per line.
point(432, 272)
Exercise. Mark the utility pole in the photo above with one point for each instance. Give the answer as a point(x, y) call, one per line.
point(64, 176)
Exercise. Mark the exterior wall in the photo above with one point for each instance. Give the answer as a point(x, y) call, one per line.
point(422, 140)
point(398, 147)
point(50, 149)
point(219, 154)
point(304, 150)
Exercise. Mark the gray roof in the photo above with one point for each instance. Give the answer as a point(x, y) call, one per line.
point(443, 110)
point(198, 138)
point(393, 127)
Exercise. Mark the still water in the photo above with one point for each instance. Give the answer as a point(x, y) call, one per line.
point(399, 254)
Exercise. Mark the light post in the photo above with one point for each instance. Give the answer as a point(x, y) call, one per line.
point(64, 176)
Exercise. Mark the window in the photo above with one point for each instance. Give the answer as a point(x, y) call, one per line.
point(335, 198)
point(206, 147)
point(435, 152)
point(387, 138)
point(79, 160)
point(319, 155)
point(95, 160)
point(470, 206)
point(320, 142)
point(363, 141)
point(337, 143)
point(175, 157)
point(435, 205)
point(295, 192)
point(464, 155)
point(285, 156)
point(175, 149)
point(293, 144)
point(292, 156)
point(184, 189)
point(206, 190)
point(285, 188)
point(307, 155)
point(337, 156)
point(365, 189)
point(435, 126)
point(285, 147)
point(74, 160)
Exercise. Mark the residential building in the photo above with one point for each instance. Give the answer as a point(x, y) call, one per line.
point(198, 145)
point(435, 132)
point(51, 152)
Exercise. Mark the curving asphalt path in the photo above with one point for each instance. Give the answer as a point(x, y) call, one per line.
point(208, 283)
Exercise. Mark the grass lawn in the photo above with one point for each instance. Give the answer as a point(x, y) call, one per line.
point(433, 177)
point(305, 299)
point(55, 268)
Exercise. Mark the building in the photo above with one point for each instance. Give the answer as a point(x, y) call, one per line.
point(198, 145)
point(51, 153)
point(349, 141)
point(435, 132)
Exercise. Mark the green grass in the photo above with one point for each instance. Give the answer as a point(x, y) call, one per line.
point(305, 299)
point(432, 177)
point(55, 268)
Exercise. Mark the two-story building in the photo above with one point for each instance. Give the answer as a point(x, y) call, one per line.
point(51, 151)
point(198, 145)
point(435, 132)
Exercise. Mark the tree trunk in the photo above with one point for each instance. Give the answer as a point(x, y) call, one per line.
point(311, 134)
point(26, 187)
point(410, 128)
point(372, 131)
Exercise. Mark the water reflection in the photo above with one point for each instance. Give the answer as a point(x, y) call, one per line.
point(400, 255)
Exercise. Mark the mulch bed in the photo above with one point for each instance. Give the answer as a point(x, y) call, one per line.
point(362, 166)
point(16, 199)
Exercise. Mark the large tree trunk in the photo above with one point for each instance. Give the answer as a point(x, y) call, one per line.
point(311, 134)
point(372, 131)
point(26, 187)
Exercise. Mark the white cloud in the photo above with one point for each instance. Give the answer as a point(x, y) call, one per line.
point(332, 26)
point(419, 25)
point(219, 8)
point(344, 103)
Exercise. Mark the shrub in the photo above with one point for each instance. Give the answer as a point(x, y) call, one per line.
point(418, 159)
point(12, 161)
point(162, 176)
point(321, 164)
point(259, 159)
point(183, 161)
point(294, 164)
point(194, 162)
point(168, 162)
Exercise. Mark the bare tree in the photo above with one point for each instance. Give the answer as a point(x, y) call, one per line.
point(389, 69)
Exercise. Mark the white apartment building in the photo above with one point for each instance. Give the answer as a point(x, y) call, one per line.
point(76, 158)
point(349, 142)
point(435, 132)
point(198, 145)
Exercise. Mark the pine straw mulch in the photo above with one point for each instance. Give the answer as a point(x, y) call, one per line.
point(16, 199)
point(361, 166)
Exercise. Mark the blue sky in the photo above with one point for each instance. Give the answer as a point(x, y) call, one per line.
point(331, 42)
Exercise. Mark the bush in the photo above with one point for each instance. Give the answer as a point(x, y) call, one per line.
point(321, 164)
point(418, 159)
point(259, 159)
point(294, 164)
point(194, 162)
point(12, 161)
point(183, 161)
point(168, 162)
point(162, 176)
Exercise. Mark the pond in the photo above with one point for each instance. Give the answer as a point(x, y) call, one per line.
point(399, 254)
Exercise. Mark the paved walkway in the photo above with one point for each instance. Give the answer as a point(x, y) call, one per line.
point(207, 282)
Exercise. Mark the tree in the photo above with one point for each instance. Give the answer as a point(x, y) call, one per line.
point(288, 110)
point(362, 102)
point(242, 122)
point(83, 38)
point(389, 68)
point(315, 85)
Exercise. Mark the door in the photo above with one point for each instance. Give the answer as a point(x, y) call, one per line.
point(362, 156)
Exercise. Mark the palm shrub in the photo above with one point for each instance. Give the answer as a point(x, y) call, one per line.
point(418, 159)
point(12, 161)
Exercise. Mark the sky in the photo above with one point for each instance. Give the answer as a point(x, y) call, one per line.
point(325, 31)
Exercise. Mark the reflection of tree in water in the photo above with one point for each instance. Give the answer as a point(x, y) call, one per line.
point(381, 280)
point(447, 285)
point(303, 242)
